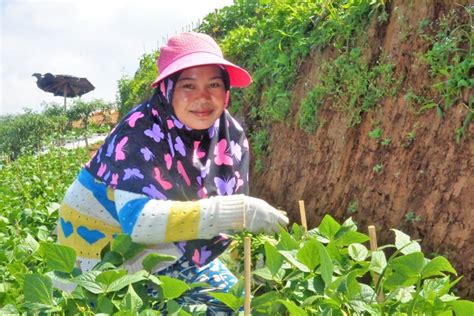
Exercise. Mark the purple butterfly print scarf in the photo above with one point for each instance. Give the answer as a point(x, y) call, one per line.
point(153, 153)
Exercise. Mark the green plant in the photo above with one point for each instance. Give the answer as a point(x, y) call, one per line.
point(82, 111)
point(411, 217)
point(308, 118)
point(354, 85)
point(376, 133)
point(386, 141)
point(377, 168)
point(329, 271)
point(451, 63)
point(133, 91)
point(352, 207)
point(409, 138)
point(259, 141)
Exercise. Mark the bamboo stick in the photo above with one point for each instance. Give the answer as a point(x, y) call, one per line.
point(303, 216)
point(247, 275)
point(373, 247)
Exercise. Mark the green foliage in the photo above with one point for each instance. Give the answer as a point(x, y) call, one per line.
point(30, 191)
point(259, 141)
point(27, 132)
point(326, 270)
point(356, 86)
point(376, 133)
point(411, 217)
point(31, 131)
point(329, 271)
point(377, 168)
point(310, 107)
point(450, 59)
point(133, 91)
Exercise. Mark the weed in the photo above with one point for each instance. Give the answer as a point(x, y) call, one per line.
point(259, 142)
point(411, 217)
point(386, 142)
point(352, 207)
point(450, 61)
point(378, 168)
point(308, 120)
point(409, 138)
point(356, 86)
point(376, 133)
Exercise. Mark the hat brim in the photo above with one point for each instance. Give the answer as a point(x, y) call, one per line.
point(239, 77)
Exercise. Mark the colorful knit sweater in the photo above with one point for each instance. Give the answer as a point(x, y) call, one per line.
point(92, 213)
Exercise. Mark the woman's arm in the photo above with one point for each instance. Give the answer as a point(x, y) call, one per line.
point(152, 221)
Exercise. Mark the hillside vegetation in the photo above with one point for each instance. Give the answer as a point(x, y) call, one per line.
point(361, 108)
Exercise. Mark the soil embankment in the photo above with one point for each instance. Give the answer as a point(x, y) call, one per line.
point(424, 181)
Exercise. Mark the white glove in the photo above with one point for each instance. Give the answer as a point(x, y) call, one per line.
point(260, 216)
point(238, 212)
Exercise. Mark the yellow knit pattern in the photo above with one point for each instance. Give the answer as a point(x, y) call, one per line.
point(183, 221)
point(95, 233)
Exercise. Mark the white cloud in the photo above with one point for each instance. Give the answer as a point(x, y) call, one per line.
point(100, 40)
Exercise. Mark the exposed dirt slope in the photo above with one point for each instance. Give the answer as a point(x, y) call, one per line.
point(426, 184)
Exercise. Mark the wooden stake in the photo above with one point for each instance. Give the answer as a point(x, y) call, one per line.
point(373, 247)
point(247, 274)
point(303, 216)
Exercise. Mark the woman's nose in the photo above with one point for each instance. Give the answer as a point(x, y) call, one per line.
point(204, 94)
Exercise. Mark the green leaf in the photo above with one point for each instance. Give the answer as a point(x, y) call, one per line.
point(149, 312)
point(31, 243)
point(266, 298)
point(358, 252)
point(290, 257)
point(105, 304)
point(298, 231)
point(404, 243)
point(172, 288)
point(134, 251)
point(293, 309)
point(38, 289)
point(287, 242)
point(132, 301)
point(107, 277)
point(462, 307)
point(60, 258)
point(153, 259)
point(349, 285)
point(409, 265)
point(121, 243)
point(273, 259)
point(329, 227)
point(309, 254)
point(378, 262)
point(174, 309)
point(264, 273)
point(126, 280)
point(326, 264)
point(87, 281)
point(233, 302)
point(436, 266)
point(351, 237)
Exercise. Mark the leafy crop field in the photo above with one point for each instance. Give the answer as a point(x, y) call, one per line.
point(328, 270)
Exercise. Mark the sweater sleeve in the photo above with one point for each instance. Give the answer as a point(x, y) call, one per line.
point(151, 221)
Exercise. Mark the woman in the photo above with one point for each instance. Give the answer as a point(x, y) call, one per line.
point(173, 174)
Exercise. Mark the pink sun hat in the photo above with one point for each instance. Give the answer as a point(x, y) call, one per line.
point(192, 49)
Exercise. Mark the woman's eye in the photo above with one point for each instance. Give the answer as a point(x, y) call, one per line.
point(187, 86)
point(215, 85)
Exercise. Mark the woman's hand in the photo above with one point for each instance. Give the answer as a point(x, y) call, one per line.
point(260, 216)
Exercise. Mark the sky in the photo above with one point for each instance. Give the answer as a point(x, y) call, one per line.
point(101, 40)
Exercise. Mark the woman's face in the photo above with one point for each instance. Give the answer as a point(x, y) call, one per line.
point(199, 96)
